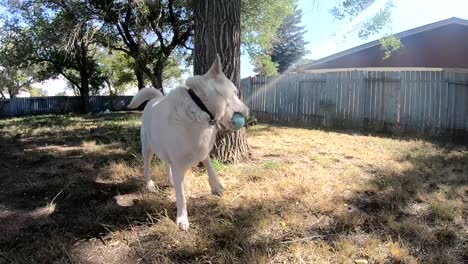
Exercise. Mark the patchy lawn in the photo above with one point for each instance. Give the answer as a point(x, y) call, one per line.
point(72, 191)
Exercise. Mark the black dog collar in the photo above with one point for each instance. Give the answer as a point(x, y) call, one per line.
point(202, 106)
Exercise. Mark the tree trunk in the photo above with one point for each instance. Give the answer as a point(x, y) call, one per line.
point(109, 85)
point(84, 91)
point(217, 31)
point(156, 78)
point(140, 77)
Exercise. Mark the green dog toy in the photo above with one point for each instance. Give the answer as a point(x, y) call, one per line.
point(238, 120)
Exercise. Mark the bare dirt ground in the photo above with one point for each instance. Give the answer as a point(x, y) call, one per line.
point(72, 192)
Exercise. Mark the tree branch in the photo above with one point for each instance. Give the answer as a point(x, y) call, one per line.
point(126, 51)
point(187, 47)
point(154, 23)
point(121, 33)
point(70, 79)
point(175, 28)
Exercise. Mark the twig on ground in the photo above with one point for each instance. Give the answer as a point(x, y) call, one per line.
point(302, 239)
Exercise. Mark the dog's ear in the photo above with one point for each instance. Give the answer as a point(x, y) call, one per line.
point(216, 68)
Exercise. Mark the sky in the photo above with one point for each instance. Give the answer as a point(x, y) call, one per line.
point(326, 35)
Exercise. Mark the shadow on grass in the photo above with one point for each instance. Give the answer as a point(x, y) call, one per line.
point(51, 195)
point(86, 209)
point(422, 206)
point(53, 198)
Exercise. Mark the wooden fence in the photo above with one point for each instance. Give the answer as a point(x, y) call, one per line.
point(432, 101)
point(60, 105)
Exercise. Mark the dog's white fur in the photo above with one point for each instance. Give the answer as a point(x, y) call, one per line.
point(178, 131)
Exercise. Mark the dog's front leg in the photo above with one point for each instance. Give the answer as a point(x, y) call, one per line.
point(182, 217)
point(216, 187)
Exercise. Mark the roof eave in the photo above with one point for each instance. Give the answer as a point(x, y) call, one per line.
point(403, 34)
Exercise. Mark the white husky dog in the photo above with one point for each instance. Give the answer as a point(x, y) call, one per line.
point(181, 128)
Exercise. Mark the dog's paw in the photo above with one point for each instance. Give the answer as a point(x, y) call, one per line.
point(150, 186)
point(217, 190)
point(183, 223)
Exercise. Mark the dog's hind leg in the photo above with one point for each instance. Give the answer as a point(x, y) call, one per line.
point(147, 156)
point(169, 173)
point(216, 187)
point(182, 217)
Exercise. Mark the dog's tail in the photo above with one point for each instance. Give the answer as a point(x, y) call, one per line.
point(143, 95)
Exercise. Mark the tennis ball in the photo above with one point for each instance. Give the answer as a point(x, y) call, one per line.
point(238, 120)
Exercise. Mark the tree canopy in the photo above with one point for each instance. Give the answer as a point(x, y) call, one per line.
point(260, 20)
point(110, 44)
point(289, 44)
point(347, 10)
point(153, 33)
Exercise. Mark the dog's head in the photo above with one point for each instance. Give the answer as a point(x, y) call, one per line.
point(219, 94)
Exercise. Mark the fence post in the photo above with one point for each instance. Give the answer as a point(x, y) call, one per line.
point(297, 93)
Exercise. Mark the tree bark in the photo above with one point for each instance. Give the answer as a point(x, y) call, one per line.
point(158, 73)
point(82, 58)
point(217, 31)
point(84, 91)
point(140, 77)
point(109, 86)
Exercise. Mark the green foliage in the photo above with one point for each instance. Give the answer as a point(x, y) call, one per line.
point(264, 65)
point(390, 45)
point(118, 70)
point(271, 30)
point(154, 33)
point(37, 92)
point(58, 37)
point(348, 10)
point(150, 37)
point(260, 20)
point(289, 44)
point(13, 79)
point(61, 94)
point(376, 23)
point(218, 165)
point(172, 70)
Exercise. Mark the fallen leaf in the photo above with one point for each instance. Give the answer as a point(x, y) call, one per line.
point(361, 261)
point(113, 243)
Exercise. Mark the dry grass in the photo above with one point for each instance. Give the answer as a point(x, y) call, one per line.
point(72, 192)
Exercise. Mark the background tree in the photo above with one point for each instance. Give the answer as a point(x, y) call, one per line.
point(37, 92)
point(268, 60)
point(59, 35)
point(148, 31)
point(260, 20)
point(289, 44)
point(217, 30)
point(348, 10)
point(12, 80)
point(16, 72)
point(117, 69)
point(61, 94)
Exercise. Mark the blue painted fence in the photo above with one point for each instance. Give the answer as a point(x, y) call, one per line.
point(60, 105)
